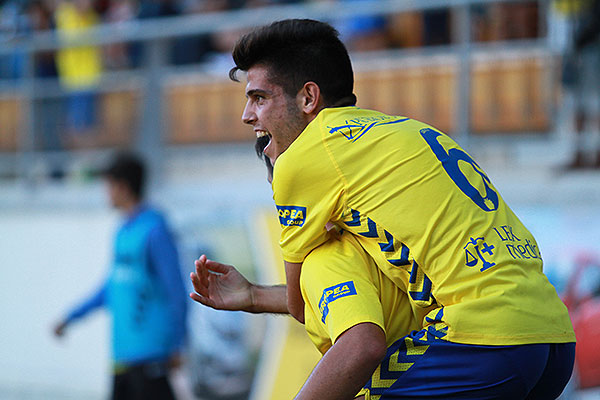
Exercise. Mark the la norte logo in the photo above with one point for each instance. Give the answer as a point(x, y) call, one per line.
point(353, 129)
point(291, 215)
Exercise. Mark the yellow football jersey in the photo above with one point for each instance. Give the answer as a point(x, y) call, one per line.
point(80, 66)
point(342, 287)
point(430, 218)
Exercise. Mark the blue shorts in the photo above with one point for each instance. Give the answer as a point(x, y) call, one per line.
point(422, 366)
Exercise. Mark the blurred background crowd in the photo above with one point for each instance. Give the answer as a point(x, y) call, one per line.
point(71, 70)
point(19, 18)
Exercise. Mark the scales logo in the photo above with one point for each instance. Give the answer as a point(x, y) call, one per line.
point(291, 215)
point(478, 251)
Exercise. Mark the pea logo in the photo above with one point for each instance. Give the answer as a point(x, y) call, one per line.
point(333, 293)
point(291, 215)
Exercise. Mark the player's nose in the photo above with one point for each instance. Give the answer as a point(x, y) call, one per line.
point(248, 116)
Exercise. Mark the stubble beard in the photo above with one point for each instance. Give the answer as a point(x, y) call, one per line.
point(296, 122)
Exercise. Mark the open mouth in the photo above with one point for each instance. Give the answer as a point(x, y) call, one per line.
point(261, 133)
point(264, 136)
point(264, 139)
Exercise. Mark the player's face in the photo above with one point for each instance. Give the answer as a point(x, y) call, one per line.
point(116, 193)
point(272, 112)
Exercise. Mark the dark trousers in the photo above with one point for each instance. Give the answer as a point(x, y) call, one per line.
point(143, 382)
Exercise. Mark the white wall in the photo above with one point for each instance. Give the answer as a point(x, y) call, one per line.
point(48, 261)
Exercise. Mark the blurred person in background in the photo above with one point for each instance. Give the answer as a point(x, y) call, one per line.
point(151, 9)
point(14, 25)
point(363, 33)
point(144, 291)
point(585, 83)
point(40, 16)
point(47, 109)
point(118, 55)
point(79, 68)
point(196, 48)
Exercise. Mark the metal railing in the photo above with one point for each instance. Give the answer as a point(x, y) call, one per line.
point(149, 82)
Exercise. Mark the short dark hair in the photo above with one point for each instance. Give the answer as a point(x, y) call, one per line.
point(297, 51)
point(128, 168)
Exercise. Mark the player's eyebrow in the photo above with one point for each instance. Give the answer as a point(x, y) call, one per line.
point(261, 92)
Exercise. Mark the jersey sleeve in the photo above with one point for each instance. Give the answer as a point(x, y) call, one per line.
point(95, 301)
point(339, 291)
point(308, 191)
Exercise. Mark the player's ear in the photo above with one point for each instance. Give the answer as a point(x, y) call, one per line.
point(310, 98)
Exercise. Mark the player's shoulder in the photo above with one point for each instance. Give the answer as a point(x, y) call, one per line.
point(329, 118)
point(304, 159)
point(339, 256)
point(353, 125)
point(153, 216)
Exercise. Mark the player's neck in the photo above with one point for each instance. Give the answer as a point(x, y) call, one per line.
point(129, 206)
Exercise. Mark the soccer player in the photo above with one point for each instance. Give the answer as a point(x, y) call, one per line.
point(421, 207)
point(143, 292)
point(352, 308)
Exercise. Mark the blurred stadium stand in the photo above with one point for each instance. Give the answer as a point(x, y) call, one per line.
point(473, 68)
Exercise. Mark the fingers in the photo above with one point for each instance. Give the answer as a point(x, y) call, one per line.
point(199, 286)
point(202, 300)
point(217, 267)
point(206, 280)
point(201, 279)
point(201, 269)
point(59, 330)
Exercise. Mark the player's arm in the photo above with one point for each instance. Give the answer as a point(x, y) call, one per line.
point(97, 300)
point(348, 364)
point(344, 318)
point(295, 303)
point(222, 287)
point(305, 205)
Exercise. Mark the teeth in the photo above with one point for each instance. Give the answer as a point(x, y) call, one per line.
point(261, 133)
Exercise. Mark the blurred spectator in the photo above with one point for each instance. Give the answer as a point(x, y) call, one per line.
point(118, 55)
point(79, 67)
point(436, 27)
point(47, 109)
point(144, 291)
point(586, 81)
point(196, 48)
point(13, 26)
point(505, 21)
point(420, 28)
point(363, 33)
point(40, 17)
point(150, 9)
point(158, 8)
point(406, 29)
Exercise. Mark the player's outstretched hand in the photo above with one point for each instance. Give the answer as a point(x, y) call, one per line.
point(59, 329)
point(220, 286)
